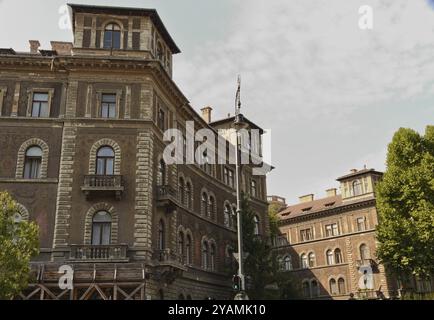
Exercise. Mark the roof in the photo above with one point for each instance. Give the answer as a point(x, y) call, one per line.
point(307, 208)
point(232, 119)
point(318, 206)
point(359, 173)
point(152, 13)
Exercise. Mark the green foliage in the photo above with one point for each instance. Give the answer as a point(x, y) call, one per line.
point(18, 242)
point(406, 204)
point(261, 266)
point(273, 210)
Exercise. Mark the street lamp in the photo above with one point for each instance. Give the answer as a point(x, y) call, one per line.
point(238, 125)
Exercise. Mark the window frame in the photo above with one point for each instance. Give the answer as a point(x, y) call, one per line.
point(105, 160)
point(102, 229)
point(112, 32)
point(32, 160)
point(30, 96)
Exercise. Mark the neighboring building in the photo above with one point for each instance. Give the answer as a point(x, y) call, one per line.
point(278, 202)
point(329, 244)
point(81, 140)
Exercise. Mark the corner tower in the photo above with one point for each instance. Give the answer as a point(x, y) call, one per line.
point(122, 32)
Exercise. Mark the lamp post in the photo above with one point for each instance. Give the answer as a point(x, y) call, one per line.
point(238, 125)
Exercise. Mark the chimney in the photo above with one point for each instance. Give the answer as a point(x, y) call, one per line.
point(332, 192)
point(34, 46)
point(62, 48)
point(307, 198)
point(206, 114)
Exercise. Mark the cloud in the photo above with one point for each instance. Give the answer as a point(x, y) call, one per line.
point(306, 64)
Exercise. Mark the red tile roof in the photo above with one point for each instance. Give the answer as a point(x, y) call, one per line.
point(307, 208)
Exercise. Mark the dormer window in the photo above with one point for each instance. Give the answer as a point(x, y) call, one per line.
point(112, 36)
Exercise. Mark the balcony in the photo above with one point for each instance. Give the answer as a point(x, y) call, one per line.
point(167, 197)
point(96, 254)
point(169, 268)
point(103, 185)
point(367, 295)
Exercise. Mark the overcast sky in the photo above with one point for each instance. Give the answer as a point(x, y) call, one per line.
point(331, 94)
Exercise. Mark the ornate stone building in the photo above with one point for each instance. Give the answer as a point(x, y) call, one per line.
point(329, 244)
point(81, 144)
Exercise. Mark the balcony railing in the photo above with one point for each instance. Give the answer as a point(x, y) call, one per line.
point(103, 183)
point(166, 197)
point(367, 295)
point(165, 256)
point(107, 253)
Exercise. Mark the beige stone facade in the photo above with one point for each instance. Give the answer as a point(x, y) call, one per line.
point(158, 228)
point(328, 244)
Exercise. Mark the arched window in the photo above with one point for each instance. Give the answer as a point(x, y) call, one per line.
point(189, 297)
point(112, 36)
point(333, 287)
point(364, 252)
point(188, 248)
point(227, 216)
point(205, 252)
point(18, 218)
point(304, 262)
point(211, 208)
point(341, 286)
point(256, 221)
point(314, 289)
point(161, 236)
point(101, 228)
point(338, 256)
point(212, 254)
point(311, 260)
point(181, 247)
point(280, 263)
point(330, 260)
point(306, 289)
point(181, 297)
point(182, 190)
point(357, 188)
point(105, 162)
point(287, 263)
point(32, 163)
point(205, 204)
point(188, 195)
point(161, 178)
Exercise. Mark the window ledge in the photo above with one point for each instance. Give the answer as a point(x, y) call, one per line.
point(30, 181)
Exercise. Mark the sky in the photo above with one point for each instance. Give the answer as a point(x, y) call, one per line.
point(331, 94)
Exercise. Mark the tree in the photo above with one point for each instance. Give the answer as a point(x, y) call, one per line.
point(19, 243)
point(405, 202)
point(266, 281)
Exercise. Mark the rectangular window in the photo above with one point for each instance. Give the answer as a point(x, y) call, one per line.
point(40, 105)
point(306, 235)
point(361, 224)
point(108, 106)
point(332, 230)
point(229, 177)
point(161, 119)
point(254, 189)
